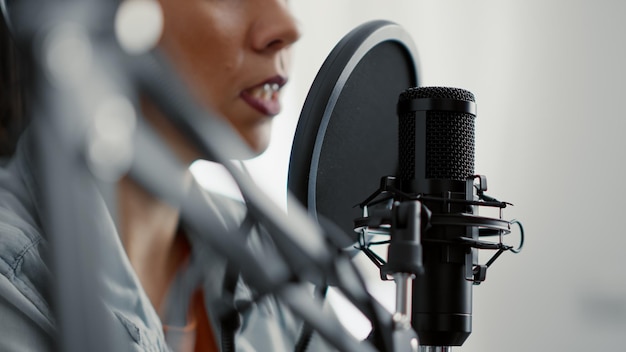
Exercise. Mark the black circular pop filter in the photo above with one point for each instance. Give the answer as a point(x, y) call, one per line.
point(347, 134)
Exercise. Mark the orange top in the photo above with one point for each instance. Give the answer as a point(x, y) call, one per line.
point(197, 335)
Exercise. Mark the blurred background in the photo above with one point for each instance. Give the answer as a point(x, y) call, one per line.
point(548, 81)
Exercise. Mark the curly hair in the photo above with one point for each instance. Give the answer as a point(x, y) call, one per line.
point(12, 108)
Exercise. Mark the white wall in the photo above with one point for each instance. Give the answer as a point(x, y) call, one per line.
point(548, 78)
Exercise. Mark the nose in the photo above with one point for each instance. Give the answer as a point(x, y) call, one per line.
point(275, 28)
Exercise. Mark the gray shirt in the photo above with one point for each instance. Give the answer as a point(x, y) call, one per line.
point(26, 321)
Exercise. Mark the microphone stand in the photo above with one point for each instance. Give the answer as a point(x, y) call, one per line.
point(268, 275)
point(297, 237)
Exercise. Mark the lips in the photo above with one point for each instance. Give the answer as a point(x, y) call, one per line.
point(264, 97)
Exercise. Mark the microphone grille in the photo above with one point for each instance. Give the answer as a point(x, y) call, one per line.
point(436, 93)
point(449, 137)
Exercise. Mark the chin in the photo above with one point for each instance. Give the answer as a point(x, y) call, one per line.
point(258, 139)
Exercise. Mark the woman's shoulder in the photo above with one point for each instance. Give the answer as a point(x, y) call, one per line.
point(20, 232)
point(23, 270)
point(22, 249)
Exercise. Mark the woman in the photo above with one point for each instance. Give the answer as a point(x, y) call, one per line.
point(233, 54)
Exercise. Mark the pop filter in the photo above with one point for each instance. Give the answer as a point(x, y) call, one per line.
point(347, 134)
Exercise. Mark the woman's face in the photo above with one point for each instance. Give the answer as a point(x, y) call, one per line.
point(234, 56)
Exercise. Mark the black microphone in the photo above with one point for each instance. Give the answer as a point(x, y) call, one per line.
point(436, 166)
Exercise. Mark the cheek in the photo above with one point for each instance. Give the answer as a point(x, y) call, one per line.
point(205, 46)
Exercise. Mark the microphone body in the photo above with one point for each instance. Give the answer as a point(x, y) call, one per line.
point(436, 163)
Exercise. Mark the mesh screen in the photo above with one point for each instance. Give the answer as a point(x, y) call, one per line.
point(436, 92)
point(449, 137)
point(406, 147)
point(449, 145)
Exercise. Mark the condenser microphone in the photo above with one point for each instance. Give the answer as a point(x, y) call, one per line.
point(436, 166)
